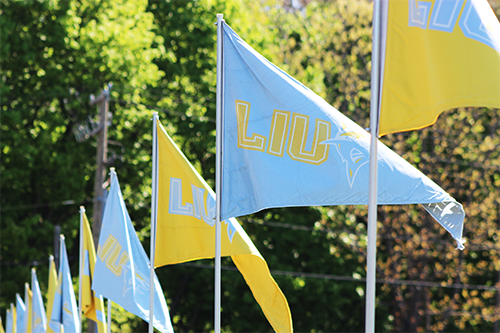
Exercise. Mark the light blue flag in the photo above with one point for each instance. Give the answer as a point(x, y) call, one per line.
point(20, 314)
point(285, 146)
point(64, 309)
point(122, 267)
point(37, 311)
point(9, 321)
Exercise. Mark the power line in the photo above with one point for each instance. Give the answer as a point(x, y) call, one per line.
point(363, 280)
point(52, 204)
point(175, 113)
point(271, 224)
point(32, 263)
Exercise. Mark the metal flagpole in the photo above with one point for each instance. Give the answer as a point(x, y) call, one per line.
point(61, 240)
point(32, 299)
point(154, 205)
point(109, 303)
point(80, 271)
point(218, 171)
point(372, 188)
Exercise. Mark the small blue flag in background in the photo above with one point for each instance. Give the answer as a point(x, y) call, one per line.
point(64, 309)
point(39, 318)
point(122, 267)
point(20, 314)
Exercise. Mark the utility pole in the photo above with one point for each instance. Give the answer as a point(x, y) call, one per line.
point(100, 173)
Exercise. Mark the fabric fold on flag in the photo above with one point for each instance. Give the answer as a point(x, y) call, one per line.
point(39, 318)
point(92, 303)
point(186, 231)
point(64, 309)
point(436, 56)
point(285, 146)
point(122, 269)
point(50, 294)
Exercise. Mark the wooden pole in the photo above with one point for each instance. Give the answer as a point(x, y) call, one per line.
point(100, 173)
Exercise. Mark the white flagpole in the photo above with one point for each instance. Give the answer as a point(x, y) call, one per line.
point(154, 205)
point(111, 175)
point(372, 188)
point(32, 299)
point(218, 170)
point(82, 211)
point(61, 240)
point(49, 315)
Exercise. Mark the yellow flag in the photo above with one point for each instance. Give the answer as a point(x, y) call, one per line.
point(28, 300)
point(439, 55)
point(92, 304)
point(52, 291)
point(186, 231)
point(13, 313)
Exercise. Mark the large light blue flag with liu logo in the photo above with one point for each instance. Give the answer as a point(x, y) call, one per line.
point(64, 310)
point(122, 266)
point(284, 146)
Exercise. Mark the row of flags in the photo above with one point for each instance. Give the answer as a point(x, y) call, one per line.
point(185, 232)
point(27, 315)
point(61, 315)
point(119, 271)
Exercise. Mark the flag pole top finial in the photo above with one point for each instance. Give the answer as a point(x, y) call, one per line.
point(82, 209)
point(112, 173)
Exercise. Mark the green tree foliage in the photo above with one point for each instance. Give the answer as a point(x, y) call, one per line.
point(54, 54)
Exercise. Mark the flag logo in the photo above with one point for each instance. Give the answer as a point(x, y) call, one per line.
point(444, 16)
point(279, 135)
point(436, 55)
